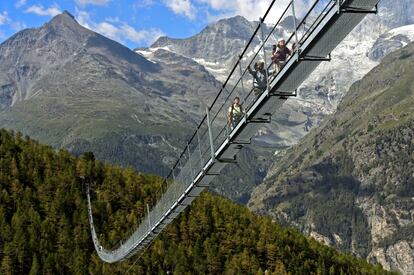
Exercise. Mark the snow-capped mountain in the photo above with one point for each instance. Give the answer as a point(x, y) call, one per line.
point(218, 45)
point(391, 41)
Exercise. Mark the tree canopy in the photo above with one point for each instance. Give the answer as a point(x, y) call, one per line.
point(44, 225)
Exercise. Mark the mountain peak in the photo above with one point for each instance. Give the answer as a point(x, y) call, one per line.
point(234, 19)
point(238, 23)
point(65, 12)
point(63, 19)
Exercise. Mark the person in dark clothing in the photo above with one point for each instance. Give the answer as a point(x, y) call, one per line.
point(259, 78)
point(280, 54)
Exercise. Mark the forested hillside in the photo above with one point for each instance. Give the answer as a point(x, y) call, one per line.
point(44, 225)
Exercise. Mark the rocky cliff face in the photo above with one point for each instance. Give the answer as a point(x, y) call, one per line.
point(216, 47)
point(350, 182)
point(218, 41)
point(391, 41)
point(32, 53)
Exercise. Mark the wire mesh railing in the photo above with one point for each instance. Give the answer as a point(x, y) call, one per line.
point(210, 134)
point(215, 128)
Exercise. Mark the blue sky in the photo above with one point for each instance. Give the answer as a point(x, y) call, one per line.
point(134, 23)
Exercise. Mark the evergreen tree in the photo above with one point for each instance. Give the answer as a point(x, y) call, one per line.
point(34, 270)
point(44, 224)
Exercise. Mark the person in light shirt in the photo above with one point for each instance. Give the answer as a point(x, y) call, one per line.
point(280, 54)
point(235, 113)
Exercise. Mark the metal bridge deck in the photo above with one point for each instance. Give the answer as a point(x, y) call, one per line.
point(207, 154)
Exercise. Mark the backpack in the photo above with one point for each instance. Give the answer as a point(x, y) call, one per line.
point(237, 116)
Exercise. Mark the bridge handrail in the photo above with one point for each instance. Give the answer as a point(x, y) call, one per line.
point(300, 41)
point(182, 156)
point(225, 84)
point(195, 160)
point(221, 90)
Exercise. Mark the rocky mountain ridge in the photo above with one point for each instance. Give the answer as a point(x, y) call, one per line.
point(73, 88)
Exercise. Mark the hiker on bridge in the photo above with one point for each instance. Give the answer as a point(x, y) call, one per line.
point(259, 77)
point(235, 113)
point(280, 54)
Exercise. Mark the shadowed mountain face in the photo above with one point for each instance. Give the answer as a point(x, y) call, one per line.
point(76, 89)
point(34, 53)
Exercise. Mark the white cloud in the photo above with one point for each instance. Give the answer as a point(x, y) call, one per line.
point(41, 11)
point(14, 25)
point(182, 7)
point(92, 2)
point(18, 26)
point(118, 30)
point(20, 3)
point(143, 3)
point(142, 36)
point(4, 18)
point(250, 9)
point(108, 30)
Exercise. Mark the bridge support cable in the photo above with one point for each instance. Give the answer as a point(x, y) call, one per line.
point(214, 144)
point(295, 25)
point(210, 133)
point(199, 150)
point(263, 46)
point(149, 218)
point(241, 75)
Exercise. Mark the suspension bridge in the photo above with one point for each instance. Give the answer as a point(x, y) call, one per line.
point(315, 32)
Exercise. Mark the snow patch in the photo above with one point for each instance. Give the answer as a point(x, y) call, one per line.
point(407, 30)
point(149, 53)
point(203, 62)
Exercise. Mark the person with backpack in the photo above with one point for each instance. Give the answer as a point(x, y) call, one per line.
point(235, 113)
point(259, 78)
point(280, 54)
